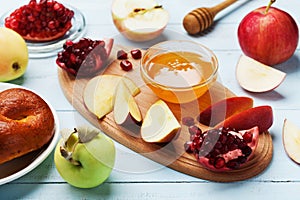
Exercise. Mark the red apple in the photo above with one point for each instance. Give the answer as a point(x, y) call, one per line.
point(268, 35)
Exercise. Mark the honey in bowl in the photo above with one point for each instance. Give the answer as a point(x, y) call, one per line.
point(180, 73)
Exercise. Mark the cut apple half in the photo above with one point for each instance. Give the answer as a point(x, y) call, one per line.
point(291, 140)
point(159, 125)
point(254, 76)
point(99, 93)
point(139, 20)
point(125, 109)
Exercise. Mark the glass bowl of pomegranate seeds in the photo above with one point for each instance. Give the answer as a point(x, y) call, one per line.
point(179, 71)
point(43, 44)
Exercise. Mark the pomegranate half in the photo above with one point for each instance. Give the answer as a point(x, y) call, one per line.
point(85, 57)
point(222, 149)
point(41, 21)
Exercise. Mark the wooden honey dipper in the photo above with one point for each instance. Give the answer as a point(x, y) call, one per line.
point(200, 19)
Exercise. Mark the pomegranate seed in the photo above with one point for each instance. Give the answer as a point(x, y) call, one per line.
point(194, 130)
point(247, 137)
point(219, 163)
point(233, 164)
point(188, 147)
point(247, 150)
point(51, 25)
point(188, 121)
point(122, 55)
point(136, 53)
point(126, 65)
point(69, 43)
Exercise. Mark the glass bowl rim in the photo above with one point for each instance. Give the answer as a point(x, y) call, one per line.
point(202, 83)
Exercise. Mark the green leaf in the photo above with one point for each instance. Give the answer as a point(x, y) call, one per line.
point(86, 133)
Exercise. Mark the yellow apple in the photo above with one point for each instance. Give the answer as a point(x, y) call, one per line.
point(13, 55)
point(139, 20)
point(159, 125)
point(99, 93)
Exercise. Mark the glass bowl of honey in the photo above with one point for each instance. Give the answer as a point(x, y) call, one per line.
point(179, 71)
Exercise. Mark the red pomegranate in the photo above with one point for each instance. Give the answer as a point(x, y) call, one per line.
point(222, 149)
point(85, 57)
point(41, 21)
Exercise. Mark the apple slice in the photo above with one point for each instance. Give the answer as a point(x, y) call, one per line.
point(291, 140)
point(99, 93)
point(261, 116)
point(139, 20)
point(159, 125)
point(254, 76)
point(223, 109)
point(126, 109)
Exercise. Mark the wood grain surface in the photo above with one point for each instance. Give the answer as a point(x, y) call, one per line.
point(171, 154)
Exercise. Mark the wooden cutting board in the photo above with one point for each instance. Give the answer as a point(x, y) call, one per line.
point(171, 154)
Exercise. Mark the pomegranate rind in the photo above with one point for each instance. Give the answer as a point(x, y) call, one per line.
point(41, 38)
point(204, 161)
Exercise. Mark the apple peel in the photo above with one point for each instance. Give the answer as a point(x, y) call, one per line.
point(254, 76)
point(223, 109)
point(260, 116)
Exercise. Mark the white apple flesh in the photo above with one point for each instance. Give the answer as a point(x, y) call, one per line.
point(125, 109)
point(139, 20)
point(268, 35)
point(291, 140)
point(159, 125)
point(13, 54)
point(99, 93)
point(85, 164)
point(254, 76)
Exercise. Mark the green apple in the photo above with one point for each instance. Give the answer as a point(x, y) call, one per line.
point(85, 157)
point(13, 55)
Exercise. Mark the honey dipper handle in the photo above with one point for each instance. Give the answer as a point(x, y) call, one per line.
point(221, 6)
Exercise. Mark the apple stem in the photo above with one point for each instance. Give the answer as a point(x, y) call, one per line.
point(68, 156)
point(269, 6)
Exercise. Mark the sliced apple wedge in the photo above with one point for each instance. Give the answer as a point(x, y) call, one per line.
point(260, 116)
point(223, 109)
point(254, 76)
point(159, 125)
point(291, 140)
point(126, 110)
point(99, 93)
